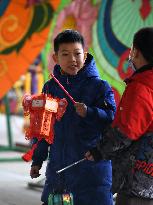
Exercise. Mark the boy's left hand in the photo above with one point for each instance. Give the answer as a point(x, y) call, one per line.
point(81, 109)
point(89, 156)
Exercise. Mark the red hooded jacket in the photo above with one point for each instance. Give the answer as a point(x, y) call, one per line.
point(129, 141)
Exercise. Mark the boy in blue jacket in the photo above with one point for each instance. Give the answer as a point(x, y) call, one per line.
point(80, 128)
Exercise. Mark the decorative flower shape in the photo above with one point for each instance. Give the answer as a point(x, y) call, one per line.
point(79, 15)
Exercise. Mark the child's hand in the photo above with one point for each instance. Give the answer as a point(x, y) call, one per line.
point(89, 156)
point(81, 109)
point(34, 172)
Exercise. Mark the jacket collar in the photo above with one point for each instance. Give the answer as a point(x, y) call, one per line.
point(140, 70)
point(144, 68)
point(89, 70)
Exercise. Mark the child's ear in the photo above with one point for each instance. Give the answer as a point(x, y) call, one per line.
point(55, 58)
point(85, 55)
point(136, 52)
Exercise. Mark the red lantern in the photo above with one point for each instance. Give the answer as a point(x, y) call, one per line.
point(42, 110)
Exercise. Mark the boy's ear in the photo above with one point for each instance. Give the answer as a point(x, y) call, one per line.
point(85, 55)
point(55, 58)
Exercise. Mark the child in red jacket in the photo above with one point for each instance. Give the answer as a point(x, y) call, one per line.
point(129, 141)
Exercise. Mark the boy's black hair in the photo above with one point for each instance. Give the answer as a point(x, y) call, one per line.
point(68, 36)
point(143, 40)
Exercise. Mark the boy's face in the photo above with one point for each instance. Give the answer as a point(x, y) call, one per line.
point(70, 57)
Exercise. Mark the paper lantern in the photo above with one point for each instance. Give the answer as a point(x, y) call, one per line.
point(60, 199)
point(43, 110)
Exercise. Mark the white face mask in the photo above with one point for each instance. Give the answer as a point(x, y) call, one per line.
point(131, 64)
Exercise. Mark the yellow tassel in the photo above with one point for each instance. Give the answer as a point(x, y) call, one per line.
point(28, 83)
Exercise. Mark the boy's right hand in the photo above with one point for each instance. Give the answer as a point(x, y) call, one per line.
point(81, 109)
point(89, 156)
point(34, 172)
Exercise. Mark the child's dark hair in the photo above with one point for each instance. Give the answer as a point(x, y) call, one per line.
point(143, 40)
point(68, 36)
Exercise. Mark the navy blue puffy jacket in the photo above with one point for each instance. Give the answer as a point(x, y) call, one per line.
point(75, 135)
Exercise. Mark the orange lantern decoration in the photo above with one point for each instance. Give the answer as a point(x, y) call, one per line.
point(42, 110)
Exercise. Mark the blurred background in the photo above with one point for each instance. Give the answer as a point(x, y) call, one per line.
point(27, 30)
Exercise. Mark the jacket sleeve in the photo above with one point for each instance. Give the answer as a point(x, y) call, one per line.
point(40, 153)
point(111, 144)
point(47, 88)
point(102, 113)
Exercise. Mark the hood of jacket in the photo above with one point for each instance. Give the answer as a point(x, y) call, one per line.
point(89, 70)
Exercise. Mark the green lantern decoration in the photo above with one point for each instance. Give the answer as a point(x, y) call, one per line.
point(60, 199)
